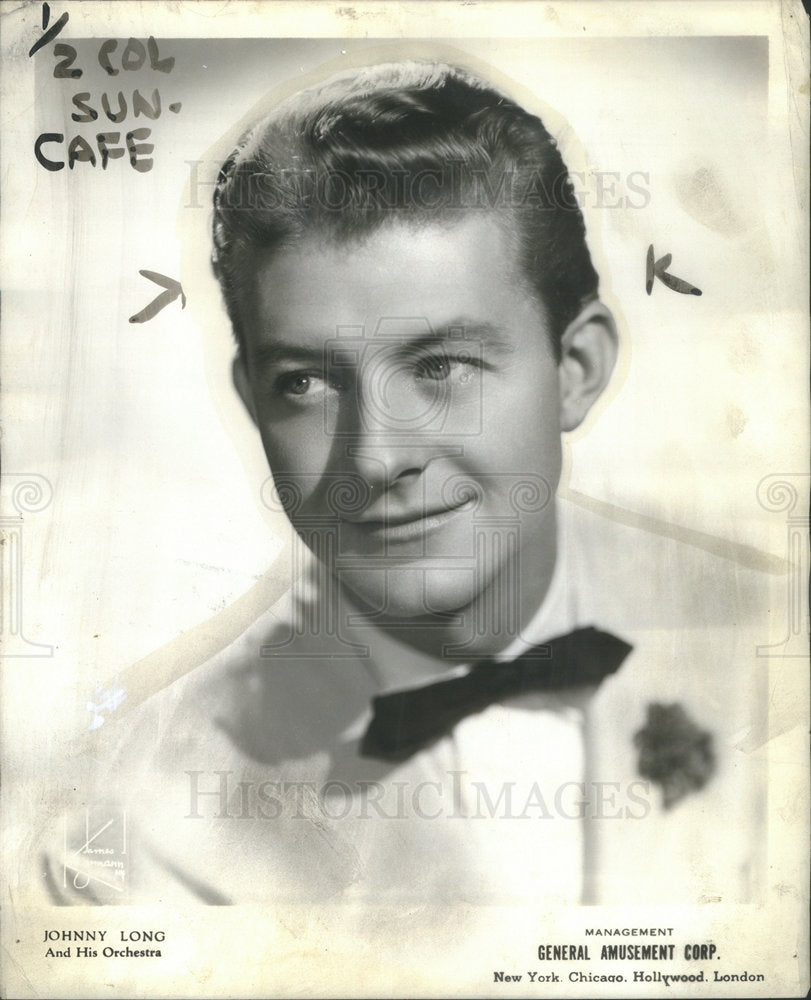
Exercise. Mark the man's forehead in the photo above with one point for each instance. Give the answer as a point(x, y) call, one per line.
point(401, 281)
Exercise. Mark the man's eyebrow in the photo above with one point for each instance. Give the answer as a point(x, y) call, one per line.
point(465, 330)
point(267, 355)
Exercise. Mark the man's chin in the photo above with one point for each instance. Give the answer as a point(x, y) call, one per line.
point(412, 593)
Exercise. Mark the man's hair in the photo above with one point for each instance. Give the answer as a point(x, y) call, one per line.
point(416, 142)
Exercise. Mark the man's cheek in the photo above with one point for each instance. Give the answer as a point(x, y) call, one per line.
point(293, 451)
point(313, 498)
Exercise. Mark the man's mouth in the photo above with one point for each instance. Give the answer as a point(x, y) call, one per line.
point(407, 525)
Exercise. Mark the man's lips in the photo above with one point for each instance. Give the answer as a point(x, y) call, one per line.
point(403, 526)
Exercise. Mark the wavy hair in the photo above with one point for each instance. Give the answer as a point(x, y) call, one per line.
point(407, 141)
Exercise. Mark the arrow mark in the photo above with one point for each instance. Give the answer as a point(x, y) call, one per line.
point(173, 290)
point(658, 269)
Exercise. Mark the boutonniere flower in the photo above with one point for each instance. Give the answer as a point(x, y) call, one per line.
point(674, 752)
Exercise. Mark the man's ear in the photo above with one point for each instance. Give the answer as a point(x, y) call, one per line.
point(588, 353)
point(242, 384)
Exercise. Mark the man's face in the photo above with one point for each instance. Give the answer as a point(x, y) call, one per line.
point(409, 405)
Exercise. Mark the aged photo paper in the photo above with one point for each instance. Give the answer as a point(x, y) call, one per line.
point(404, 499)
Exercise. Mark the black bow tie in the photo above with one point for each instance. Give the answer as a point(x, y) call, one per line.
point(405, 721)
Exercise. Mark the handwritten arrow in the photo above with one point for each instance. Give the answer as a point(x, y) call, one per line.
point(658, 268)
point(173, 290)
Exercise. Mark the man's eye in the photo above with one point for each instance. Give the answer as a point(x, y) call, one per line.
point(297, 383)
point(436, 367)
point(305, 385)
point(439, 367)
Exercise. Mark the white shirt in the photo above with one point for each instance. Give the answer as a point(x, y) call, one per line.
point(243, 782)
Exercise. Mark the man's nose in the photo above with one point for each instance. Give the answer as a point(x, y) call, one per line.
point(382, 462)
point(394, 435)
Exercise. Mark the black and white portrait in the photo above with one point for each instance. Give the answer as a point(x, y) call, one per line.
point(407, 431)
